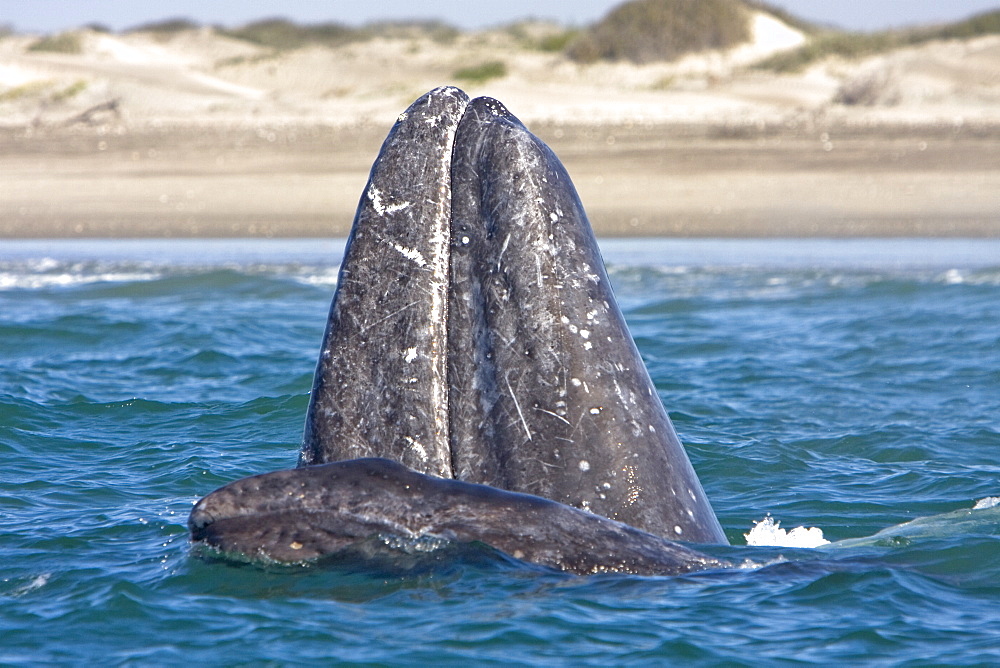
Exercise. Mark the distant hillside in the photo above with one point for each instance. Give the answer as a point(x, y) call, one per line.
point(283, 34)
point(640, 31)
point(644, 31)
point(858, 45)
point(695, 62)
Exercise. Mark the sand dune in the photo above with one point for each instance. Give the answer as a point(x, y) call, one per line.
point(195, 133)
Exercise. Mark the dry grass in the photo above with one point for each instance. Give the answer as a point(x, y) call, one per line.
point(549, 38)
point(644, 31)
point(69, 92)
point(857, 45)
point(67, 42)
point(284, 35)
point(25, 90)
point(166, 26)
point(477, 74)
point(436, 31)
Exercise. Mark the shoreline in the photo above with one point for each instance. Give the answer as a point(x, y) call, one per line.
point(635, 180)
point(196, 134)
point(33, 262)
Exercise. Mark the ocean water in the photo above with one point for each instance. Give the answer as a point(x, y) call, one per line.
point(850, 386)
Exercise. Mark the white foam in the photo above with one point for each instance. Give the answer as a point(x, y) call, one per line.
point(37, 582)
point(767, 532)
point(328, 279)
point(988, 502)
point(28, 281)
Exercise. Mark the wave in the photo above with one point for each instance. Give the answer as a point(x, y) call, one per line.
point(982, 517)
point(50, 273)
point(763, 267)
point(12, 280)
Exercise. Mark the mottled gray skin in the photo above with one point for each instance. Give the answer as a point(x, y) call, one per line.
point(549, 393)
point(475, 344)
point(306, 513)
point(474, 333)
point(381, 385)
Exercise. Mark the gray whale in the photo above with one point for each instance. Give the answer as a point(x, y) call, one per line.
point(474, 337)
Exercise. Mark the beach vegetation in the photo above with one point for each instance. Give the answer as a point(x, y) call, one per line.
point(166, 26)
point(284, 35)
point(843, 44)
point(558, 41)
point(477, 74)
point(436, 31)
point(979, 25)
point(859, 45)
point(70, 91)
point(664, 83)
point(66, 42)
point(644, 31)
point(40, 89)
point(255, 59)
point(541, 36)
point(24, 90)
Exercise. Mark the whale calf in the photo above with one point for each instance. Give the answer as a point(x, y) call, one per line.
point(475, 341)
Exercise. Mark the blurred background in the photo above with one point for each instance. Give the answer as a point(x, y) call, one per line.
point(725, 118)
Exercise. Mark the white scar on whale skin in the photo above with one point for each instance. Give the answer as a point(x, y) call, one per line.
point(439, 265)
point(383, 207)
point(417, 447)
point(517, 405)
point(411, 254)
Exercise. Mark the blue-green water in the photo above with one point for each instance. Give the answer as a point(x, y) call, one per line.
point(853, 386)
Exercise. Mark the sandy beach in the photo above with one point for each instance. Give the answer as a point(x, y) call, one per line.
point(648, 182)
point(200, 135)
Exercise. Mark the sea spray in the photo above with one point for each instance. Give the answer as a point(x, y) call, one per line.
point(768, 532)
